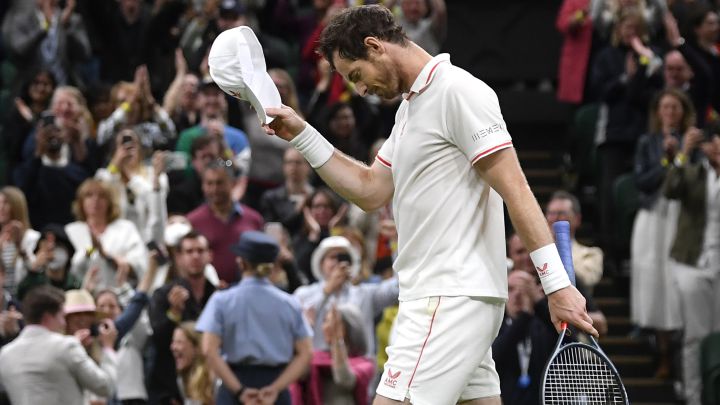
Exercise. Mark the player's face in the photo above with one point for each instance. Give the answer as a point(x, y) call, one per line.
point(373, 75)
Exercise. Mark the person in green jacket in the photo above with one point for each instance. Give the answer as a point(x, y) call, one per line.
point(696, 249)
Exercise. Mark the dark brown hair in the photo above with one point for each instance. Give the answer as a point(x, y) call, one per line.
point(41, 300)
point(347, 31)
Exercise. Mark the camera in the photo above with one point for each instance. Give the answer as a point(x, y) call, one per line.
point(95, 330)
point(344, 257)
point(126, 139)
point(54, 144)
point(160, 258)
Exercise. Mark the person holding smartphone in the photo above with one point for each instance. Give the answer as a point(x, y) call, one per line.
point(142, 188)
point(335, 263)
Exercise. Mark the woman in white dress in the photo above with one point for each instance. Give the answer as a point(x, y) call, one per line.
point(653, 296)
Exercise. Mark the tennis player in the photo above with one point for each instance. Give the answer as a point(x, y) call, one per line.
point(447, 166)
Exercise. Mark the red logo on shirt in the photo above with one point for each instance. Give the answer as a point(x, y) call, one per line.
point(391, 380)
point(542, 271)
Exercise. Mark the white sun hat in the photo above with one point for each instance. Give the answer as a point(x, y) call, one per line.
point(237, 66)
point(332, 242)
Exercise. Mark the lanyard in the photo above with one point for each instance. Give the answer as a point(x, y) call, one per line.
point(524, 349)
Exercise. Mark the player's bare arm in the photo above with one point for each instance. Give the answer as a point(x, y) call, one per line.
point(502, 171)
point(367, 187)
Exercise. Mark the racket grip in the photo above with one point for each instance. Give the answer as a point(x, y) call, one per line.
point(564, 246)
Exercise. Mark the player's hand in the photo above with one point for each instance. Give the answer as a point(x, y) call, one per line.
point(287, 124)
point(568, 305)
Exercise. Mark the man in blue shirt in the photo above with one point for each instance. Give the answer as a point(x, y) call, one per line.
point(255, 337)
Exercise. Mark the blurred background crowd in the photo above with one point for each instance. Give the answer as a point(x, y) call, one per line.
point(131, 182)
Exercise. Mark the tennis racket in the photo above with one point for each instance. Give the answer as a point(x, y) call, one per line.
point(578, 373)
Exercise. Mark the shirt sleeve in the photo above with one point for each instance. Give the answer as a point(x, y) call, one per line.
point(385, 153)
point(98, 379)
point(211, 319)
point(474, 121)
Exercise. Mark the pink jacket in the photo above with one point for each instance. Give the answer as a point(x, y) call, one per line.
point(310, 392)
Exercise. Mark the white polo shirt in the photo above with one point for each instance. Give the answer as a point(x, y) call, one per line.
point(451, 231)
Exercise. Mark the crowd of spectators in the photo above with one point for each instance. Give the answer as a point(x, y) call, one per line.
point(133, 191)
point(135, 185)
point(650, 69)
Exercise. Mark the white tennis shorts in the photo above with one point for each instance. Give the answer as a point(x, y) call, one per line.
point(442, 353)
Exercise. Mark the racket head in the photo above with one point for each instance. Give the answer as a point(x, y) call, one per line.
point(578, 373)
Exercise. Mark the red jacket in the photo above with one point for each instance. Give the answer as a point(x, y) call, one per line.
point(575, 53)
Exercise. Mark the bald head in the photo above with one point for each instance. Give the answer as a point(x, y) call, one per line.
point(676, 71)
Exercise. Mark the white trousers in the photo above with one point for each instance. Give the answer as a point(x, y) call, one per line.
point(699, 291)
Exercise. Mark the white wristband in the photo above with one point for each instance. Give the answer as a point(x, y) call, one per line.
point(316, 149)
point(550, 268)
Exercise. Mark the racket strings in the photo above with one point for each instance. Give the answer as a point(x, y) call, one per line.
point(578, 376)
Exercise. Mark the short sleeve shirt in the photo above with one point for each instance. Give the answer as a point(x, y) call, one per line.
point(451, 231)
point(256, 321)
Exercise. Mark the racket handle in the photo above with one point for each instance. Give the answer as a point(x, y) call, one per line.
point(564, 246)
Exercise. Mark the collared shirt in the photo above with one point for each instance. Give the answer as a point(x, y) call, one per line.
point(450, 223)
point(222, 234)
point(371, 300)
point(710, 254)
point(257, 322)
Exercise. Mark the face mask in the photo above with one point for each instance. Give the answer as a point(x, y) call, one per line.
point(60, 259)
